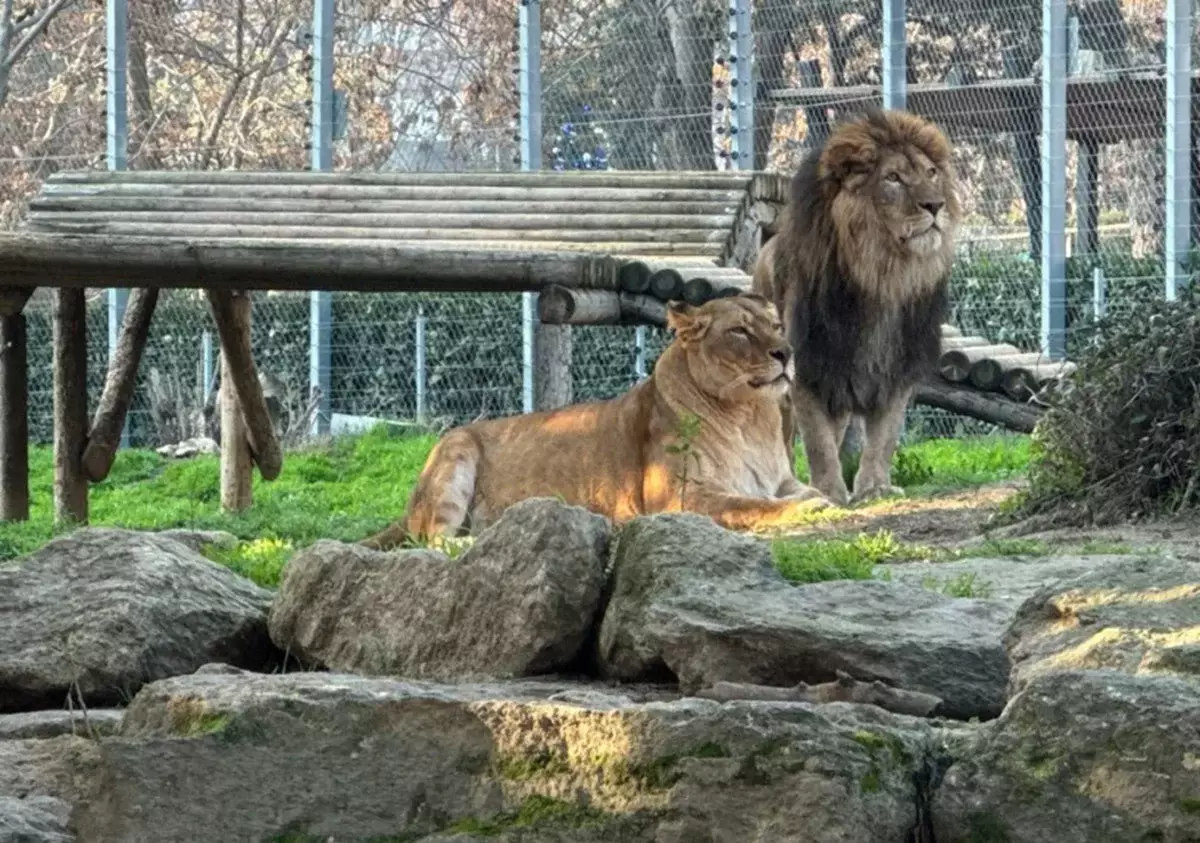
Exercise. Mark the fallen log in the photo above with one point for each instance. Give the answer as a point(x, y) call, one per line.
point(1022, 382)
point(986, 406)
point(666, 284)
point(955, 364)
point(843, 689)
point(559, 305)
point(105, 435)
point(988, 374)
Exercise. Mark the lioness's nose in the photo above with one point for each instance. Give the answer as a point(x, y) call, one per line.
point(779, 354)
point(932, 207)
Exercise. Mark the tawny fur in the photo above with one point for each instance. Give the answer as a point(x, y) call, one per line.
point(859, 271)
point(729, 365)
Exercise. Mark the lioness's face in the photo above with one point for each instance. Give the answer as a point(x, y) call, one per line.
point(737, 350)
point(909, 193)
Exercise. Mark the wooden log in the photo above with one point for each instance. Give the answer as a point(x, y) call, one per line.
point(551, 238)
point(645, 180)
point(1023, 381)
point(231, 311)
point(70, 406)
point(955, 363)
point(988, 374)
point(105, 436)
point(609, 225)
point(274, 264)
point(634, 277)
point(14, 419)
point(89, 202)
point(666, 284)
point(697, 291)
point(643, 310)
point(843, 689)
point(950, 331)
point(12, 300)
point(552, 351)
point(963, 342)
point(566, 306)
point(985, 406)
point(237, 466)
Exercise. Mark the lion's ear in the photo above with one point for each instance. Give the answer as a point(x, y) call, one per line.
point(688, 323)
point(847, 153)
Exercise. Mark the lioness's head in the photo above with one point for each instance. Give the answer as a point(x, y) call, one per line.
point(890, 183)
point(734, 347)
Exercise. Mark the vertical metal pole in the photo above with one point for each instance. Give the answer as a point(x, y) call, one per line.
point(206, 357)
point(639, 360)
point(741, 84)
point(529, 83)
point(1087, 172)
point(1178, 143)
point(1099, 294)
point(320, 319)
point(1054, 178)
point(894, 60)
point(116, 20)
point(419, 365)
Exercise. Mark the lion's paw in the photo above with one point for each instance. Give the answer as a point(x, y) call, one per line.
point(873, 493)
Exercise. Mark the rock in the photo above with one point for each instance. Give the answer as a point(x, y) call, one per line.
point(707, 605)
point(51, 724)
point(38, 819)
point(110, 610)
point(190, 448)
point(1140, 617)
point(61, 768)
point(1080, 757)
point(1005, 580)
point(520, 601)
point(358, 759)
point(197, 540)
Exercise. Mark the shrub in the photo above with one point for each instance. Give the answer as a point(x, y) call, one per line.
point(1121, 438)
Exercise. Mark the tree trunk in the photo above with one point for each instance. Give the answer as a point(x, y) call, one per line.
point(693, 51)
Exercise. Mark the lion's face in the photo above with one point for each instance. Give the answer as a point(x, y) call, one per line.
point(892, 178)
point(735, 347)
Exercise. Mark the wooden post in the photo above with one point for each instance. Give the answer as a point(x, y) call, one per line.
point(14, 420)
point(231, 311)
point(105, 435)
point(552, 367)
point(236, 465)
point(70, 405)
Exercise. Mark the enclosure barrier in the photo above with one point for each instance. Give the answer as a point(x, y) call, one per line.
point(609, 249)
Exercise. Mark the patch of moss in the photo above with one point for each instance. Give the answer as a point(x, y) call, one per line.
point(661, 773)
point(986, 827)
point(871, 780)
point(192, 719)
point(875, 741)
point(522, 768)
point(1190, 804)
point(535, 812)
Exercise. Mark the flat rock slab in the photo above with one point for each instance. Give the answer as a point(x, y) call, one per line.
point(1080, 757)
point(707, 605)
point(38, 819)
point(332, 756)
point(1142, 617)
point(108, 610)
point(51, 724)
point(520, 601)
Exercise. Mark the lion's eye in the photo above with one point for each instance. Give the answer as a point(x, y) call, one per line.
point(933, 172)
point(894, 178)
point(740, 332)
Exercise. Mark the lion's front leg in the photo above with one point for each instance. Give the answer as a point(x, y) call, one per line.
point(822, 435)
point(735, 512)
point(882, 435)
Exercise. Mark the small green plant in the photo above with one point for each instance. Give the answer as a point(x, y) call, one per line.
point(686, 431)
point(261, 560)
point(964, 585)
point(818, 560)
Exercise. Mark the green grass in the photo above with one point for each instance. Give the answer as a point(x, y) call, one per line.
point(345, 490)
point(937, 465)
point(353, 487)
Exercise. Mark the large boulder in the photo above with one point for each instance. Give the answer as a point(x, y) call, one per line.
point(1080, 757)
point(703, 604)
point(107, 610)
point(519, 602)
point(40, 781)
point(95, 722)
point(1140, 617)
point(38, 819)
point(220, 757)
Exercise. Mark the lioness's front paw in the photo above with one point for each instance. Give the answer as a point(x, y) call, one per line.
point(872, 493)
point(805, 503)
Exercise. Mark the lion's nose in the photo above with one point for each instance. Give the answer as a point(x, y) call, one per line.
point(932, 207)
point(779, 354)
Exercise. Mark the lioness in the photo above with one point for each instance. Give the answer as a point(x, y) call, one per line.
point(860, 269)
point(728, 365)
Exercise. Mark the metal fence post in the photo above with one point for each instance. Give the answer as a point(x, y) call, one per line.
point(894, 59)
point(1099, 294)
point(320, 322)
point(639, 359)
point(529, 83)
point(419, 365)
point(1054, 178)
point(116, 21)
point(1178, 145)
point(741, 84)
point(206, 363)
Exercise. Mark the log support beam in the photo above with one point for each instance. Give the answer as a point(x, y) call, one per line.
point(14, 398)
point(70, 406)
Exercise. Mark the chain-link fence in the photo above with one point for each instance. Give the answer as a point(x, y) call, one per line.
point(627, 84)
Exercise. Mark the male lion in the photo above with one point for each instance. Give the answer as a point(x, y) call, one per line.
point(860, 270)
point(728, 365)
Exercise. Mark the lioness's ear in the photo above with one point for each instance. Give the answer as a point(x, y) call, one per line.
point(686, 321)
